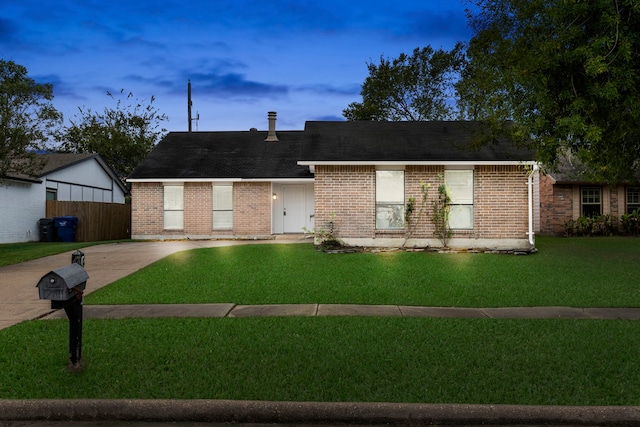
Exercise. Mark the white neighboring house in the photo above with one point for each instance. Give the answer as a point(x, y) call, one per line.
point(65, 177)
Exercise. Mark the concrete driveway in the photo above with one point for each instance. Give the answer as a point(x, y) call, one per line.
point(104, 263)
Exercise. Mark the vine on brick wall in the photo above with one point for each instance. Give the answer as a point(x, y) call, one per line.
point(410, 223)
point(441, 211)
point(441, 208)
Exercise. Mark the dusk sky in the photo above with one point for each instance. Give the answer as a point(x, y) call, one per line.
point(306, 60)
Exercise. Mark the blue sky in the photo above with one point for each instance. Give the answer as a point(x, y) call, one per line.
point(304, 59)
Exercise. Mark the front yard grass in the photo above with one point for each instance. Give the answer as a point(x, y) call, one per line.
point(14, 253)
point(546, 362)
point(578, 272)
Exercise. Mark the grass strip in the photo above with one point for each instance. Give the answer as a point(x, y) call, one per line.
point(536, 362)
point(579, 272)
point(14, 253)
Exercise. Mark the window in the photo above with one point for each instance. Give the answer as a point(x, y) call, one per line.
point(52, 194)
point(591, 201)
point(173, 207)
point(222, 207)
point(389, 199)
point(460, 187)
point(633, 199)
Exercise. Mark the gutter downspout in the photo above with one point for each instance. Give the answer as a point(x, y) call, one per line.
point(530, 186)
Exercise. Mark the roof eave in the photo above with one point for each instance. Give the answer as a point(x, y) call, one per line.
point(416, 162)
point(289, 179)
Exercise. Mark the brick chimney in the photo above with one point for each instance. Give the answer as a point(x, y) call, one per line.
point(271, 135)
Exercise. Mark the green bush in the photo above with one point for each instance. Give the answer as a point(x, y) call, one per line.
point(630, 223)
point(598, 225)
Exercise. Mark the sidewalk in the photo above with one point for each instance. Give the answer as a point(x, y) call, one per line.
point(233, 310)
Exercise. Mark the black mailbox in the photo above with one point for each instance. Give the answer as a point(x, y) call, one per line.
point(65, 288)
point(63, 283)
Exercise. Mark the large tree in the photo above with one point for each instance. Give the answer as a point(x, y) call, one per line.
point(27, 120)
point(566, 73)
point(123, 135)
point(410, 87)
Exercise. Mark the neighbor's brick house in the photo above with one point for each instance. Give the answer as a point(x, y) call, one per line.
point(358, 176)
point(566, 195)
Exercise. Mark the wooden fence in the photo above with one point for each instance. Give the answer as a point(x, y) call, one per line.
point(96, 221)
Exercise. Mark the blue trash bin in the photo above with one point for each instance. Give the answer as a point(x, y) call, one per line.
point(66, 227)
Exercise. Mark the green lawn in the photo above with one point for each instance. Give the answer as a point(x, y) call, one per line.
point(563, 362)
point(14, 253)
point(579, 272)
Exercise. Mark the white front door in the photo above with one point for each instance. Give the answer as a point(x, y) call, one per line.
point(294, 212)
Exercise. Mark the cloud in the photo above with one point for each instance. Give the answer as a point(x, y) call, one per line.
point(323, 89)
point(60, 87)
point(235, 85)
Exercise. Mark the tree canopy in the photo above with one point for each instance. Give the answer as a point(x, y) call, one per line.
point(123, 135)
point(27, 120)
point(566, 72)
point(410, 87)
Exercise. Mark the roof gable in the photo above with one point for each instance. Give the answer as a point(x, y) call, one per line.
point(437, 141)
point(55, 162)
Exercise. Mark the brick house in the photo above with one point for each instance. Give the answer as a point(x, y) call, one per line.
point(358, 176)
point(567, 194)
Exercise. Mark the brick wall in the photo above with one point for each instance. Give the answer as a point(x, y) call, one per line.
point(346, 196)
point(500, 202)
point(251, 216)
point(146, 208)
point(197, 208)
point(251, 208)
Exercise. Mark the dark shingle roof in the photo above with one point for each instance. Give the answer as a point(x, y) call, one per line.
point(55, 162)
point(404, 141)
point(241, 154)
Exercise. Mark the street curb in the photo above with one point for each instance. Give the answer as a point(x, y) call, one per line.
point(238, 411)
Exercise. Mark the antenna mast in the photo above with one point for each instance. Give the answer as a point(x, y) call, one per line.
point(189, 104)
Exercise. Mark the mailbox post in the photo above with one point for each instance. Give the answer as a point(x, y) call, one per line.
point(64, 287)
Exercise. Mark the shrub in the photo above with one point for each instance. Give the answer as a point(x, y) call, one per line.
point(598, 225)
point(630, 223)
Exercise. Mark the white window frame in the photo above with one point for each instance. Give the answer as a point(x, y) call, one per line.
point(633, 199)
point(222, 207)
point(173, 207)
point(588, 196)
point(460, 187)
point(390, 186)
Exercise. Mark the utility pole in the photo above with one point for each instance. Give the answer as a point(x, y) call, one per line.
point(189, 104)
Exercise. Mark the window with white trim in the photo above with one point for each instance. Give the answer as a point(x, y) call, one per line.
point(460, 187)
point(222, 205)
point(173, 207)
point(389, 199)
point(591, 201)
point(633, 199)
